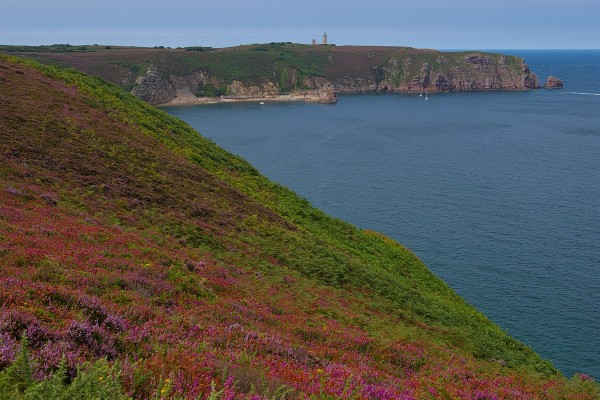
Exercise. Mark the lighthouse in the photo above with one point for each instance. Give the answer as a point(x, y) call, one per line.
point(324, 38)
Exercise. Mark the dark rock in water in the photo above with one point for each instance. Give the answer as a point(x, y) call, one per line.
point(553, 83)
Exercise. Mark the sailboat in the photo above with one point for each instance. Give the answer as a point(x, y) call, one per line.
point(426, 95)
point(421, 94)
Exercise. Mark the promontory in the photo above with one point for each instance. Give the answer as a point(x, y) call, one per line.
point(286, 71)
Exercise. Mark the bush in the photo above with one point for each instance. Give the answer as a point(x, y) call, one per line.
point(96, 380)
point(210, 90)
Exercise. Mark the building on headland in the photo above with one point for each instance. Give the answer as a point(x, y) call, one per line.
point(323, 41)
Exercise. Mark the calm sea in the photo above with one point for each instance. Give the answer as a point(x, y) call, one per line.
point(498, 192)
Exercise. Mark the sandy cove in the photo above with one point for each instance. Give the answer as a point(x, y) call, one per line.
point(179, 101)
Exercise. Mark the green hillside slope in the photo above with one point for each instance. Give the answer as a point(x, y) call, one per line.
point(127, 237)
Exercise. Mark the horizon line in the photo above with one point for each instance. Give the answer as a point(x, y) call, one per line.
point(308, 44)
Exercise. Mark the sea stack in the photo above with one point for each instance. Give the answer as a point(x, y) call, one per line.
point(554, 83)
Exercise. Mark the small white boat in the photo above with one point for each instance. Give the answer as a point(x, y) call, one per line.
point(262, 103)
point(426, 98)
point(421, 94)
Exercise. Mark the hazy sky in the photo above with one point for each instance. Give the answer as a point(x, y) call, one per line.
point(458, 24)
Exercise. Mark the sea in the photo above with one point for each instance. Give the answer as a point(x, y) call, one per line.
point(497, 192)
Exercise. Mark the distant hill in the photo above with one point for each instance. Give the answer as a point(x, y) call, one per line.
point(157, 265)
point(304, 72)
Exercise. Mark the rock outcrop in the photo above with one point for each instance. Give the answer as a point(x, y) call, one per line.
point(237, 89)
point(321, 87)
point(475, 72)
point(157, 88)
point(554, 83)
point(153, 87)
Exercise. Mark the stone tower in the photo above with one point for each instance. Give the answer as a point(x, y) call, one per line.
point(314, 42)
point(324, 38)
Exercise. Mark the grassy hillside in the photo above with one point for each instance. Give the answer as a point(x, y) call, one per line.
point(253, 64)
point(157, 265)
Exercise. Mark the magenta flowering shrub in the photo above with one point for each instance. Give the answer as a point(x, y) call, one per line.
point(38, 335)
point(8, 349)
point(13, 322)
point(98, 315)
point(97, 339)
point(48, 357)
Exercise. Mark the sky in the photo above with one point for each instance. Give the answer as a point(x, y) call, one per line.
point(458, 24)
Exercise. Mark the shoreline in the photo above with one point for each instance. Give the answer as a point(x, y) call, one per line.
point(312, 98)
point(309, 98)
point(194, 101)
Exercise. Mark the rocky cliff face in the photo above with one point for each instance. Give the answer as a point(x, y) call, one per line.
point(237, 89)
point(321, 87)
point(153, 87)
point(475, 72)
point(158, 88)
point(386, 72)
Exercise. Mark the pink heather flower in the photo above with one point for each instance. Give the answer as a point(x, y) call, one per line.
point(584, 377)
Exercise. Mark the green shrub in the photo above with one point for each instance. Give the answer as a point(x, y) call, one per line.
point(18, 377)
point(96, 380)
point(210, 90)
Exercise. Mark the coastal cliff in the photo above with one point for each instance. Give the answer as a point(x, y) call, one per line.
point(287, 71)
point(410, 71)
point(200, 87)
